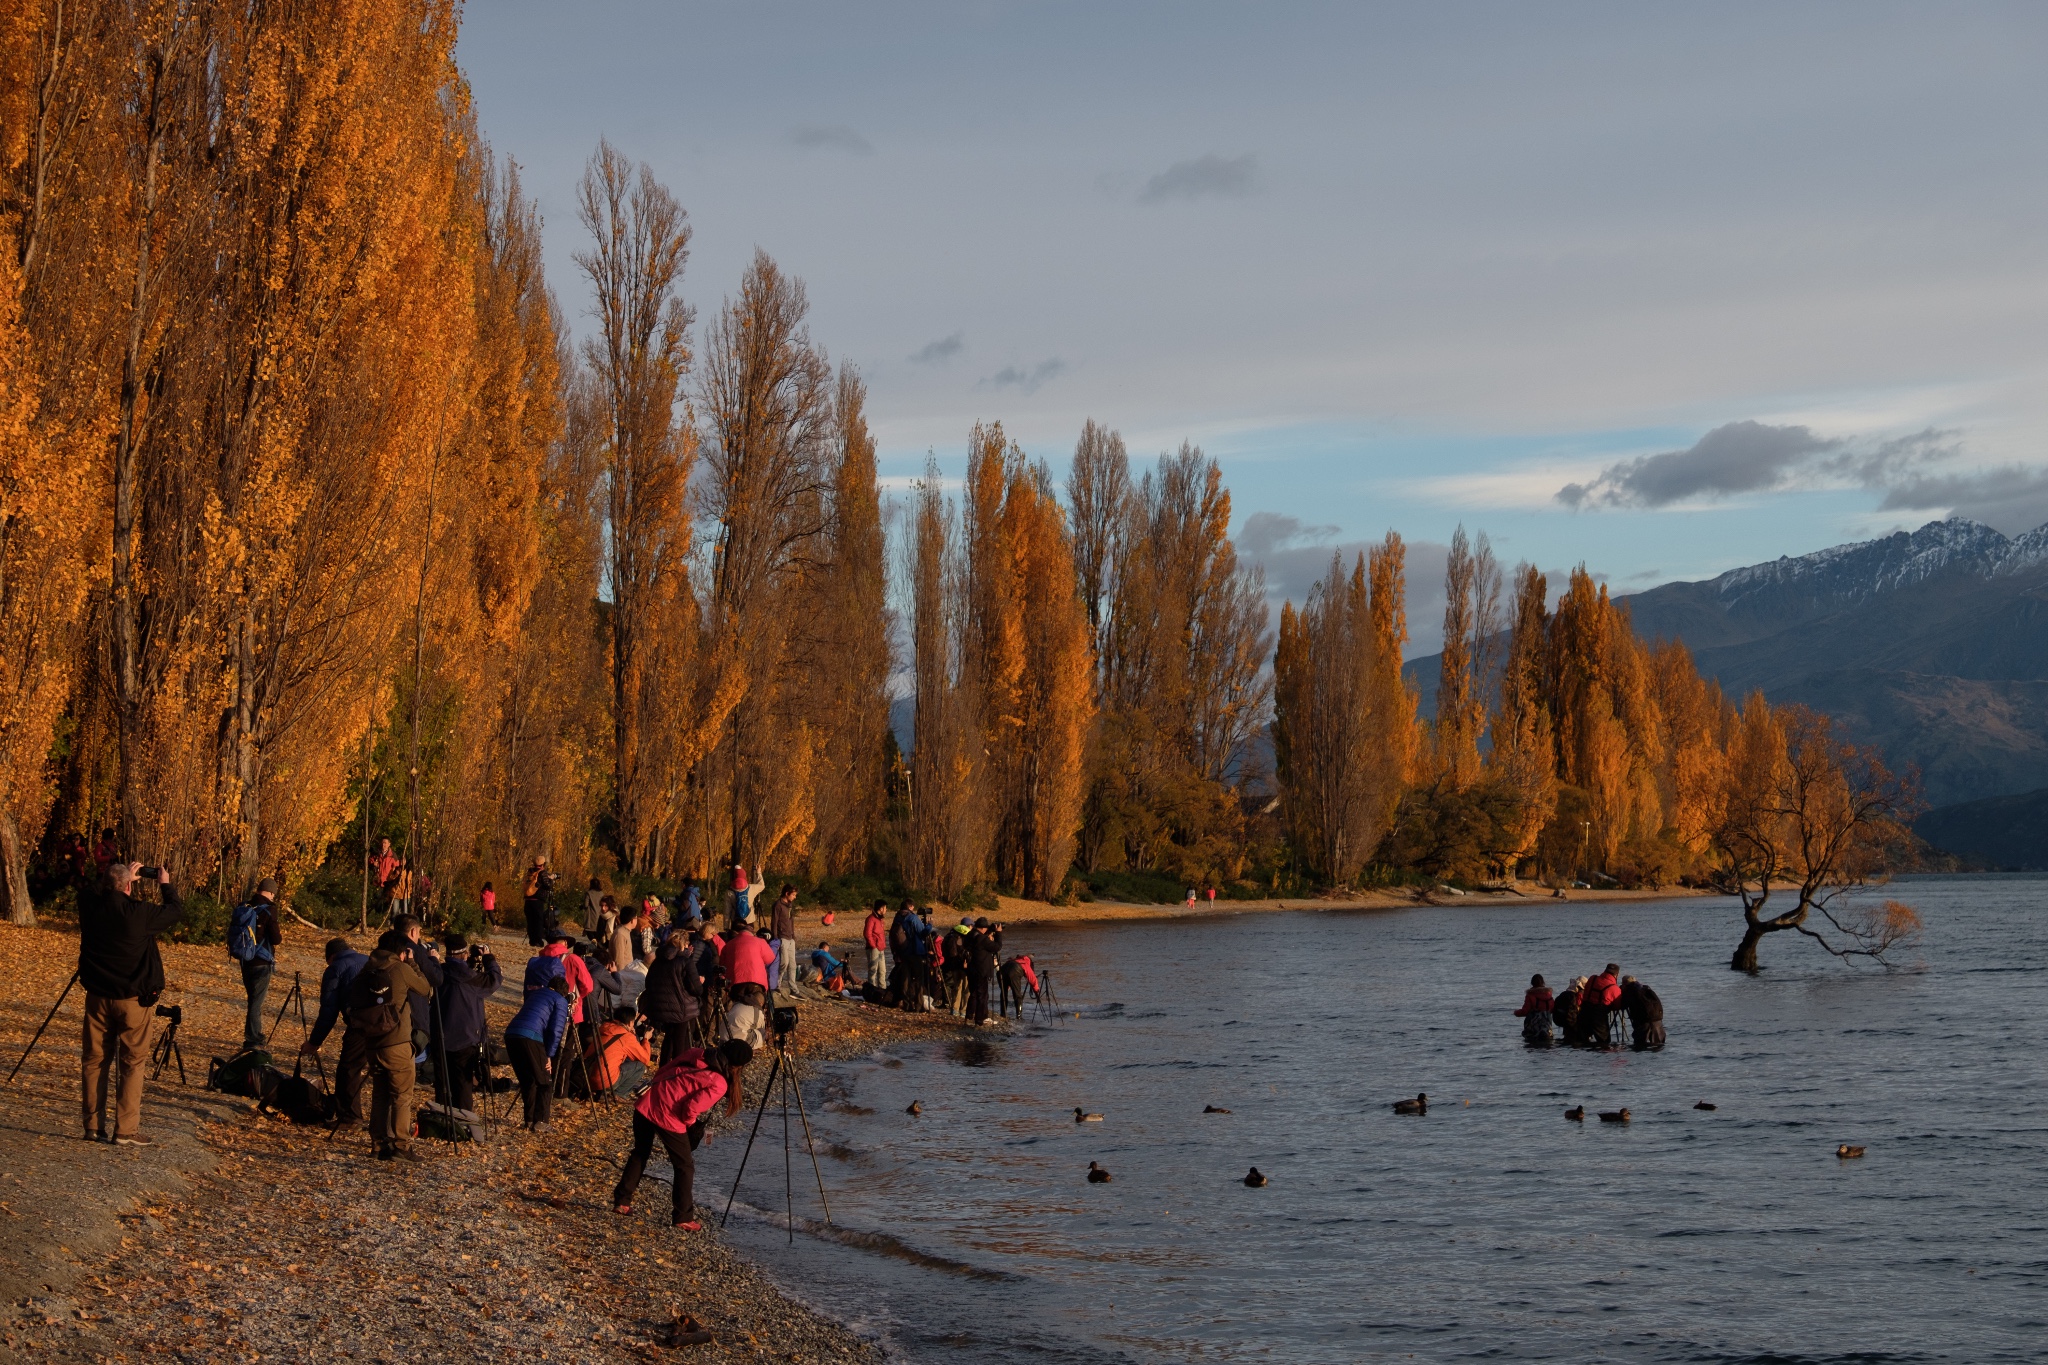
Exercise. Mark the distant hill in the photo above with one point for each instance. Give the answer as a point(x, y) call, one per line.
point(2000, 831)
point(1931, 644)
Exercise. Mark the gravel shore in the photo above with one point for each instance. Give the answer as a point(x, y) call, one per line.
point(240, 1237)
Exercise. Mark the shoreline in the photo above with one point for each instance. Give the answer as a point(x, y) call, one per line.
point(1017, 911)
point(241, 1234)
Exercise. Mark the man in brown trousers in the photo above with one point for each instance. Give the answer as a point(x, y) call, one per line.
point(379, 1038)
point(123, 974)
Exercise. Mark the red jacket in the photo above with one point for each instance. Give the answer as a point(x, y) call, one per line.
point(745, 958)
point(1537, 1000)
point(683, 1092)
point(877, 932)
point(1604, 989)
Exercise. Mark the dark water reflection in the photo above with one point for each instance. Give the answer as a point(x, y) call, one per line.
point(1491, 1228)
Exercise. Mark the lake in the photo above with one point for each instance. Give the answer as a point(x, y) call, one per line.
point(1492, 1228)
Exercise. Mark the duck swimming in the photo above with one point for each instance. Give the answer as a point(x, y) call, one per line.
point(1846, 1152)
point(1082, 1116)
point(1577, 1115)
point(1704, 1105)
point(1098, 1176)
point(1620, 1115)
point(1418, 1105)
point(916, 1107)
point(1255, 1178)
point(1212, 1109)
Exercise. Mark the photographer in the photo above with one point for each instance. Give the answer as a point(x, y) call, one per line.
point(471, 975)
point(379, 1039)
point(984, 950)
point(674, 1109)
point(344, 964)
point(253, 937)
point(123, 974)
point(671, 998)
point(534, 1040)
point(403, 938)
point(540, 911)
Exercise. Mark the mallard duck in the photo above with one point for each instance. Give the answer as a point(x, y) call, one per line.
point(1846, 1152)
point(916, 1107)
point(1418, 1105)
point(1620, 1115)
point(1577, 1115)
point(1255, 1178)
point(1083, 1116)
point(1212, 1109)
point(1098, 1176)
point(1704, 1105)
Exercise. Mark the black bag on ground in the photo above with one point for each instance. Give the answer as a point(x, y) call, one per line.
point(442, 1123)
point(298, 1099)
point(239, 1074)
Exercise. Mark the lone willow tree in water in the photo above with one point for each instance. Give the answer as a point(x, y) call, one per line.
point(1810, 818)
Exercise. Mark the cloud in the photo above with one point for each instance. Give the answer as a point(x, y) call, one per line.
point(1296, 556)
point(1027, 381)
point(2011, 498)
point(832, 137)
point(1207, 174)
point(1265, 532)
point(936, 352)
point(1741, 457)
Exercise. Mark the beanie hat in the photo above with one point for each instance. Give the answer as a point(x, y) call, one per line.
point(268, 884)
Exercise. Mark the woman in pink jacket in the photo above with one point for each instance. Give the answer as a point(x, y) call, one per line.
point(674, 1109)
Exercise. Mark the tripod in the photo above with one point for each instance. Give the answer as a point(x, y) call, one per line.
point(167, 1049)
point(784, 1071)
point(297, 999)
point(61, 995)
point(1048, 1003)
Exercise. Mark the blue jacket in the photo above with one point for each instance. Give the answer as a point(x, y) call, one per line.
point(249, 929)
point(334, 983)
point(544, 1018)
point(825, 962)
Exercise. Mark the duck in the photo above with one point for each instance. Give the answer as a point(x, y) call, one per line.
point(1620, 1115)
point(1255, 1178)
point(1846, 1152)
point(1418, 1105)
point(1212, 1109)
point(1098, 1176)
point(916, 1107)
point(1577, 1115)
point(1704, 1105)
point(1083, 1116)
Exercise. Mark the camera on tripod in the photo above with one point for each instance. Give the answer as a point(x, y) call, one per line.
point(782, 1021)
point(174, 1013)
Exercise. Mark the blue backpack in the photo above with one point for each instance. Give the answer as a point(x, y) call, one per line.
point(245, 932)
point(541, 969)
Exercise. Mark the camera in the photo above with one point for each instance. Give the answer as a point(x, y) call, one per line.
point(782, 1020)
point(149, 874)
point(174, 1013)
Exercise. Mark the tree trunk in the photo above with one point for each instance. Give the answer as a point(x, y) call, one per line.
point(1745, 955)
point(14, 872)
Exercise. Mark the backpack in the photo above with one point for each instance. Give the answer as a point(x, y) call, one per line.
point(240, 1074)
point(298, 1099)
point(543, 968)
point(448, 1124)
point(245, 932)
point(372, 1003)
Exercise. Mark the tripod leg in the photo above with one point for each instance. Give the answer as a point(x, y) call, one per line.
point(61, 995)
point(809, 1145)
point(758, 1114)
point(788, 1179)
point(279, 1020)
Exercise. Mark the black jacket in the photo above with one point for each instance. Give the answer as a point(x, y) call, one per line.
point(117, 952)
point(984, 948)
point(1642, 1005)
point(459, 1004)
point(670, 997)
point(540, 909)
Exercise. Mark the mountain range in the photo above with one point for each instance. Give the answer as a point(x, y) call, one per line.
point(1931, 644)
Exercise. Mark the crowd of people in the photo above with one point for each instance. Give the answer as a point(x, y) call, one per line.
point(1605, 1010)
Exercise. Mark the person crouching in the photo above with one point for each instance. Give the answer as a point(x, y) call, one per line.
point(674, 1109)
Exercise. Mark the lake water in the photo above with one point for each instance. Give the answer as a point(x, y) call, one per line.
point(1490, 1229)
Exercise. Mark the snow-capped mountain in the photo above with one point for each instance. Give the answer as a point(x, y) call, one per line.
point(1855, 573)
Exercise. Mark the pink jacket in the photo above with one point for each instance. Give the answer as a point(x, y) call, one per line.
point(683, 1092)
point(746, 958)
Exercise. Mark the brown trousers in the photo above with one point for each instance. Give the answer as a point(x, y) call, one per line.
point(113, 1026)
point(389, 1064)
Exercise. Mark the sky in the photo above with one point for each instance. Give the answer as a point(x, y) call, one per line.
point(1660, 289)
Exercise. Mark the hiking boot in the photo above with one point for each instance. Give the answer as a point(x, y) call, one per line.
point(543, 1127)
point(404, 1154)
point(134, 1140)
point(690, 1225)
point(96, 1135)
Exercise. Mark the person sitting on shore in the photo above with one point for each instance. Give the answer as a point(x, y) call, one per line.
point(831, 971)
point(1535, 1013)
point(1645, 1015)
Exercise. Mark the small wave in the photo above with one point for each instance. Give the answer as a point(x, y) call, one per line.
point(880, 1243)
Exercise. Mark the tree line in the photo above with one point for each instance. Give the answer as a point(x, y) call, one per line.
point(315, 526)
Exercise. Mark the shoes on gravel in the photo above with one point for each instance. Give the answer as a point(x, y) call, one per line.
point(622, 1209)
point(691, 1226)
point(134, 1140)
